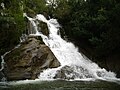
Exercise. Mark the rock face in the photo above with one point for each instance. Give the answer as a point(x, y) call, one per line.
point(28, 60)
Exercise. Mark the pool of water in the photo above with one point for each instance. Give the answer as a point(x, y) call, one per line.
point(61, 85)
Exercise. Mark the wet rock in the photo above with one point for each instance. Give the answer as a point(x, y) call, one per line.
point(27, 61)
point(1, 75)
point(43, 28)
point(73, 72)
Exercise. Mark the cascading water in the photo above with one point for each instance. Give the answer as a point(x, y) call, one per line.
point(73, 64)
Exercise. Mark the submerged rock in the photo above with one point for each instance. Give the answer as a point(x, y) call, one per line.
point(28, 60)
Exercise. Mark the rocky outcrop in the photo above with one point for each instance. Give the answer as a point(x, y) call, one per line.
point(28, 60)
point(43, 28)
point(73, 72)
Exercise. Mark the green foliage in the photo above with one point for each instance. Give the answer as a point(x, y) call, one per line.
point(35, 6)
point(11, 23)
point(95, 41)
point(60, 11)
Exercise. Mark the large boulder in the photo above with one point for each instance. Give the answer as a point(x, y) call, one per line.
point(28, 60)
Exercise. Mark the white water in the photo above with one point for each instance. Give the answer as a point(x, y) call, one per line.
point(3, 61)
point(73, 65)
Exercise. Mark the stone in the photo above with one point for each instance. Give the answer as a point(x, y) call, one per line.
point(28, 60)
point(43, 28)
point(73, 72)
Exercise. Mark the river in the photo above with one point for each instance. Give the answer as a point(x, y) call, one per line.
point(61, 85)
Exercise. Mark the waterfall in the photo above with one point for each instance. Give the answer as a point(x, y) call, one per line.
point(73, 65)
